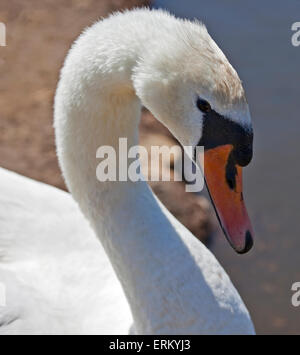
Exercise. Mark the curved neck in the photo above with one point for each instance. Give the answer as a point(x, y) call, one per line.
point(95, 106)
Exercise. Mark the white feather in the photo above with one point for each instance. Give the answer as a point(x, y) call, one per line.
point(57, 275)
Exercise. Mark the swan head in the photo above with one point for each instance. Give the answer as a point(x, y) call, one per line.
point(189, 85)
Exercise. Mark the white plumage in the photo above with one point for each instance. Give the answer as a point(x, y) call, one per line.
point(57, 275)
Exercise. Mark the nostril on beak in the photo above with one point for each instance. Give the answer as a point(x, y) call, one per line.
point(231, 172)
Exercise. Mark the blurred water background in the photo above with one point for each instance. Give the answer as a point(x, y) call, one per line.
point(256, 37)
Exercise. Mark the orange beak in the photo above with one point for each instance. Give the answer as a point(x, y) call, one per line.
point(224, 181)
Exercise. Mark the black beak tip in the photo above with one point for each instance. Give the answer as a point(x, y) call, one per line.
point(248, 244)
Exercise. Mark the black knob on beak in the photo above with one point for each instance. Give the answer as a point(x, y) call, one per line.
point(243, 154)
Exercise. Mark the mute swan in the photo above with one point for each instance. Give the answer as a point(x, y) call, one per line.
point(57, 278)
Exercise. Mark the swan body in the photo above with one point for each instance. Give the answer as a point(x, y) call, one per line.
point(149, 274)
point(55, 272)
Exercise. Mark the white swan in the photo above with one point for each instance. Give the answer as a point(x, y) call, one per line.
point(58, 278)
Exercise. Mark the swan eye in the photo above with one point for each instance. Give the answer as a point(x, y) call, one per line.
point(203, 105)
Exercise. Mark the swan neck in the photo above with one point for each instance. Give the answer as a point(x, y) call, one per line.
point(95, 105)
